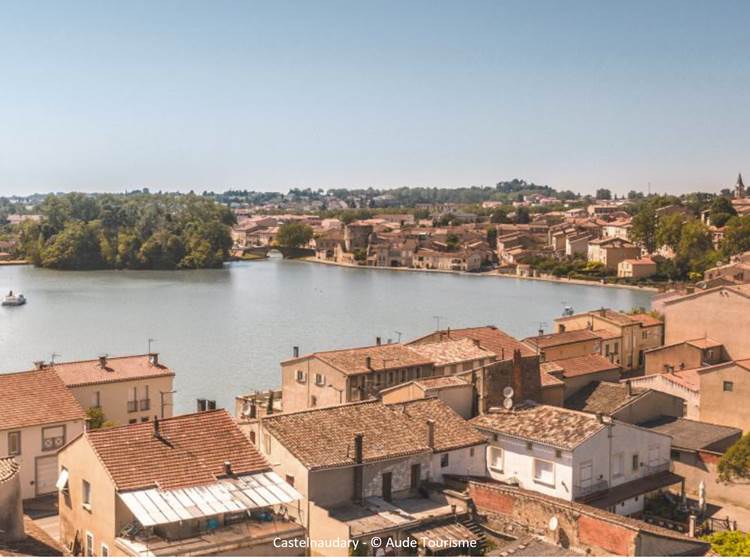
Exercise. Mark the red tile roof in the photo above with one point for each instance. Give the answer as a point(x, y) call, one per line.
point(383, 357)
point(190, 451)
point(453, 351)
point(580, 365)
point(89, 372)
point(491, 338)
point(559, 339)
point(37, 397)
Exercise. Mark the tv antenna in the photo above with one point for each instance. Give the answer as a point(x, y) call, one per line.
point(399, 333)
point(52, 358)
point(437, 320)
point(150, 340)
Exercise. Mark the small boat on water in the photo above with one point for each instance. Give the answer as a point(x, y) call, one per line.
point(13, 299)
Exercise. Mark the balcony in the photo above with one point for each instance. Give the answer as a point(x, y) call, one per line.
point(132, 406)
point(145, 404)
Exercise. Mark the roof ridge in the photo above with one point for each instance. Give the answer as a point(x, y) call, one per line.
point(327, 407)
point(162, 421)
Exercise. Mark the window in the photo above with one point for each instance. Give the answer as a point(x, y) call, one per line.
point(558, 453)
point(267, 443)
point(675, 455)
point(63, 480)
point(14, 443)
point(495, 459)
point(313, 400)
point(444, 460)
point(86, 494)
point(320, 379)
point(635, 462)
point(96, 399)
point(494, 437)
point(617, 347)
point(133, 399)
point(300, 376)
point(471, 452)
point(644, 335)
point(53, 437)
point(145, 401)
point(144, 418)
point(728, 386)
point(105, 550)
point(529, 445)
point(89, 544)
point(544, 472)
point(132, 421)
point(618, 465)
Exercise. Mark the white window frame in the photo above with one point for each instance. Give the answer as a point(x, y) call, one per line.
point(540, 480)
point(105, 550)
point(492, 453)
point(320, 379)
point(18, 447)
point(89, 539)
point(86, 499)
point(299, 375)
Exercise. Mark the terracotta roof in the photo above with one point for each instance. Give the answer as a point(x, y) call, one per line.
point(604, 334)
point(32, 398)
point(440, 382)
point(89, 372)
point(549, 380)
point(190, 451)
point(382, 357)
point(451, 430)
point(558, 427)
point(490, 337)
point(704, 343)
point(604, 396)
point(580, 365)
point(8, 468)
point(646, 320)
point(559, 339)
point(452, 351)
point(324, 437)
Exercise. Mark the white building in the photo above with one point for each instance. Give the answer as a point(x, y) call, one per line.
point(39, 416)
point(577, 456)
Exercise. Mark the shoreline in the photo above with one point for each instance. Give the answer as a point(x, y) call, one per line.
point(489, 273)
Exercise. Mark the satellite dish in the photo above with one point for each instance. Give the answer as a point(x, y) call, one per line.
point(508, 392)
point(507, 404)
point(553, 523)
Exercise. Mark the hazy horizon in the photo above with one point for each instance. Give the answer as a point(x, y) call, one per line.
point(184, 95)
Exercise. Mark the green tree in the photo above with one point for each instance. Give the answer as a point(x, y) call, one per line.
point(721, 211)
point(735, 463)
point(603, 194)
point(492, 237)
point(730, 543)
point(294, 234)
point(523, 215)
point(643, 228)
point(76, 247)
point(669, 231)
point(736, 236)
point(499, 216)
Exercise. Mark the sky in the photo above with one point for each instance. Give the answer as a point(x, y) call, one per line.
point(179, 95)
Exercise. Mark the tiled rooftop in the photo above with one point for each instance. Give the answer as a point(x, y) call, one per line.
point(124, 368)
point(692, 434)
point(382, 357)
point(324, 437)
point(451, 430)
point(558, 339)
point(704, 343)
point(440, 382)
point(452, 351)
point(603, 396)
point(646, 320)
point(490, 338)
point(580, 365)
point(36, 397)
point(8, 468)
point(558, 427)
point(190, 451)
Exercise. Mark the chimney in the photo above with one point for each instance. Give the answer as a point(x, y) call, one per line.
point(517, 376)
point(253, 410)
point(295, 351)
point(431, 434)
point(541, 332)
point(269, 405)
point(358, 468)
point(476, 342)
point(228, 468)
point(157, 429)
point(377, 341)
point(600, 417)
point(629, 385)
point(39, 365)
point(103, 361)
point(368, 362)
point(153, 358)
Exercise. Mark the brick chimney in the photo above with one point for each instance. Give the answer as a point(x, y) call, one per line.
point(103, 361)
point(359, 468)
point(269, 405)
point(153, 358)
point(378, 341)
point(517, 376)
point(295, 351)
point(431, 434)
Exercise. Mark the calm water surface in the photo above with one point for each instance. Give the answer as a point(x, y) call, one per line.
point(225, 331)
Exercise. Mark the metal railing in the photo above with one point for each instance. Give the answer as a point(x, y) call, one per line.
point(145, 404)
point(132, 406)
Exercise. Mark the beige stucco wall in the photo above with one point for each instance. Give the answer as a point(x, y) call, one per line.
point(575, 384)
point(651, 406)
point(299, 395)
point(727, 408)
point(722, 318)
point(105, 518)
point(114, 397)
point(674, 356)
point(571, 350)
point(31, 449)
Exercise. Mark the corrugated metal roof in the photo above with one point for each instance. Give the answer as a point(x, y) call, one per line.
point(156, 507)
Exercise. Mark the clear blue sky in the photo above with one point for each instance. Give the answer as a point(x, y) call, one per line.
point(111, 95)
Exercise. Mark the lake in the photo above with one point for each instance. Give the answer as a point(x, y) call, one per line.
point(225, 331)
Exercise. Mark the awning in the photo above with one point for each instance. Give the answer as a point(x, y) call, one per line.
point(231, 495)
point(62, 480)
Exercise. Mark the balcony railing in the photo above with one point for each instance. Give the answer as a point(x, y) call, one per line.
point(145, 404)
point(594, 487)
point(132, 406)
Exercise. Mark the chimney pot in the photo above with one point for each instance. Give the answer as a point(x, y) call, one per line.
point(377, 340)
point(295, 351)
point(228, 468)
point(103, 361)
point(269, 406)
point(153, 358)
point(368, 362)
point(157, 428)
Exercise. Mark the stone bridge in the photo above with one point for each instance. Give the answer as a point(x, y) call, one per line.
point(287, 252)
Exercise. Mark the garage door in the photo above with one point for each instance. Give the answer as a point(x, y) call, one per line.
point(46, 474)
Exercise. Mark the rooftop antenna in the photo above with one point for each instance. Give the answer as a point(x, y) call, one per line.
point(399, 333)
point(437, 320)
point(52, 358)
point(150, 340)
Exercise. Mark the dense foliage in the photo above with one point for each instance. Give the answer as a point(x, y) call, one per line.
point(134, 231)
point(735, 463)
point(730, 543)
point(294, 234)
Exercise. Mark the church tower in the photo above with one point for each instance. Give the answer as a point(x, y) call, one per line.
point(739, 188)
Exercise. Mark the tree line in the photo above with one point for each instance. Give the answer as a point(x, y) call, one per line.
point(128, 231)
